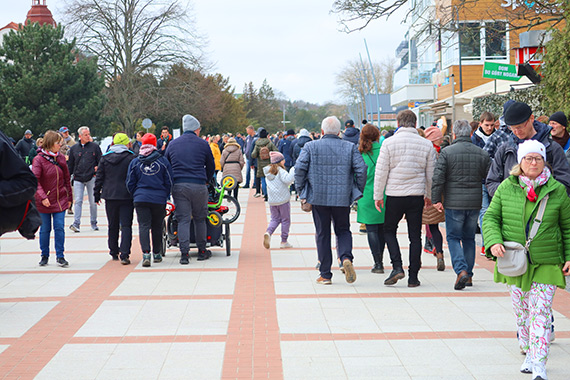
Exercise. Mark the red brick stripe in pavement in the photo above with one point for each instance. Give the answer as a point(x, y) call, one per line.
point(253, 348)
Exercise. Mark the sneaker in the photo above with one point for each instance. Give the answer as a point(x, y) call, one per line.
point(204, 255)
point(257, 195)
point(483, 251)
point(395, 275)
point(377, 268)
point(44, 261)
point(266, 240)
point(428, 246)
point(184, 259)
point(285, 245)
point(526, 367)
point(362, 229)
point(62, 262)
point(114, 257)
point(95, 228)
point(74, 228)
point(157, 257)
point(69, 211)
point(349, 272)
point(125, 261)
point(146, 260)
point(324, 281)
point(552, 337)
point(539, 372)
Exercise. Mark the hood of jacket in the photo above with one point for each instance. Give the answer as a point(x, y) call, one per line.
point(301, 141)
point(262, 141)
point(155, 155)
point(351, 132)
point(231, 147)
point(267, 174)
point(117, 153)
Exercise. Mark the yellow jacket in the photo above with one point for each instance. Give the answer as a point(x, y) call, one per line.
point(217, 155)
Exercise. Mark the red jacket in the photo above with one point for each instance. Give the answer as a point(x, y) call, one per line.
point(54, 183)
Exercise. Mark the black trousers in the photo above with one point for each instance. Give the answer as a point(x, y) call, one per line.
point(150, 217)
point(340, 218)
point(376, 241)
point(120, 217)
point(396, 208)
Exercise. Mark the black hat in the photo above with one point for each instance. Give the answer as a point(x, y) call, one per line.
point(263, 133)
point(349, 123)
point(364, 122)
point(559, 117)
point(517, 113)
point(290, 132)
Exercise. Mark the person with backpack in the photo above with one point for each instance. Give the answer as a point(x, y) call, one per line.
point(261, 152)
point(149, 180)
point(53, 196)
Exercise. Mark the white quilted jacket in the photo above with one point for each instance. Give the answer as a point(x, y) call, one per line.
point(405, 165)
point(278, 192)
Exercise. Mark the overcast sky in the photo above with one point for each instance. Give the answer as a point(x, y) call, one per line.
point(295, 44)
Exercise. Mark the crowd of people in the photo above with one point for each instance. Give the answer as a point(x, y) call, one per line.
point(507, 176)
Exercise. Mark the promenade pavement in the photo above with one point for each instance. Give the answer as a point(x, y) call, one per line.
point(257, 314)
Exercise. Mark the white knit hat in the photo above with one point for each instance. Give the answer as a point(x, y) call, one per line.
point(531, 146)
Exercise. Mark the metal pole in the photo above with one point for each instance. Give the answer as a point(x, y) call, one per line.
point(375, 82)
point(452, 98)
point(367, 88)
point(460, 65)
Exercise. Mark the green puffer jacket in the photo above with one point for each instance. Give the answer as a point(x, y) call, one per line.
point(504, 221)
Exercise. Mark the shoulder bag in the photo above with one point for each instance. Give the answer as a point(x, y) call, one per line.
point(516, 258)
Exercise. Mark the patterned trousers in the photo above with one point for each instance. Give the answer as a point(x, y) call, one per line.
point(533, 311)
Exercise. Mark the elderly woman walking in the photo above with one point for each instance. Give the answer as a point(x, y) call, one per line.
point(511, 217)
point(232, 162)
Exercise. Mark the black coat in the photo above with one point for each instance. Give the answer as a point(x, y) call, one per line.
point(24, 146)
point(110, 181)
point(17, 186)
point(82, 161)
point(458, 173)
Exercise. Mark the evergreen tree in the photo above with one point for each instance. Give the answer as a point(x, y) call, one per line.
point(556, 72)
point(45, 83)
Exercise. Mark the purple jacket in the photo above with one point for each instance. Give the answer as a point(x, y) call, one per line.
point(54, 183)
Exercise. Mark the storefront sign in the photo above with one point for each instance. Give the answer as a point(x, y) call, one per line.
point(495, 70)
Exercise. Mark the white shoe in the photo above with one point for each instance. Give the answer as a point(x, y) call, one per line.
point(526, 367)
point(286, 245)
point(539, 372)
point(266, 240)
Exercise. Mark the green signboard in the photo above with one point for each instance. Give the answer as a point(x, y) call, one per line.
point(503, 71)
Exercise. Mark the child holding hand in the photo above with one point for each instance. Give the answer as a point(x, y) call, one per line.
point(278, 181)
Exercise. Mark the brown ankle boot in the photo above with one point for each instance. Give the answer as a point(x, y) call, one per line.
point(440, 261)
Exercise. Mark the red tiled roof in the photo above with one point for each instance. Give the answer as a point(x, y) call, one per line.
point(11, 25)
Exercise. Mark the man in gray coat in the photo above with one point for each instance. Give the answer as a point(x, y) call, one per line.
point(458, 173)
point(330, 174)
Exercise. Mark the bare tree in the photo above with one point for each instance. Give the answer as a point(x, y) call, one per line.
point(520, 14)
point(134, 36)
point(357, 79)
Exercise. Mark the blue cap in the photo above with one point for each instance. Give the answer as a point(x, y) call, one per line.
point(63, 129)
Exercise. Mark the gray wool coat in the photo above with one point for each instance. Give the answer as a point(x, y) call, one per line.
point(330, 172)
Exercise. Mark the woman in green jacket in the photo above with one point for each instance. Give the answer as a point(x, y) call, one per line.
point(509, 216)
point(369, 147)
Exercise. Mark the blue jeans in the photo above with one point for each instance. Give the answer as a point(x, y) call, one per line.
point(58, 231)
point(460, 226)
point(263, 186)
point(249, 162)
point(78, 191)
point(484, 207)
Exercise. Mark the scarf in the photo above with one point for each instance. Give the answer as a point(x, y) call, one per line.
point(562, 140)
point(52, 154)
point(146, 149)
point(437, 147)
point(530, 184)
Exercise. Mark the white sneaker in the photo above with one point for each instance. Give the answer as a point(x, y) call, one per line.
point(526, 367)
point(266, 240)
point(286, 245)
point(539, 372)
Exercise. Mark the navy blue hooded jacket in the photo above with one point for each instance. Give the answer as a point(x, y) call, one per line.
point(149, 178)
point(352, 134)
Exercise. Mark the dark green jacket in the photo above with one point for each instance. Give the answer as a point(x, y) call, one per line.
point(505, 221)
point(458, 175)
point(260, 143)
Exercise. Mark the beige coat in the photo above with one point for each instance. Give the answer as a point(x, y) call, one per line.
point(231, 153)
point(405, 166)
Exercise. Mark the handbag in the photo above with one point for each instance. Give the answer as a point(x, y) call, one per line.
point(306, 206)
point(516, 258)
